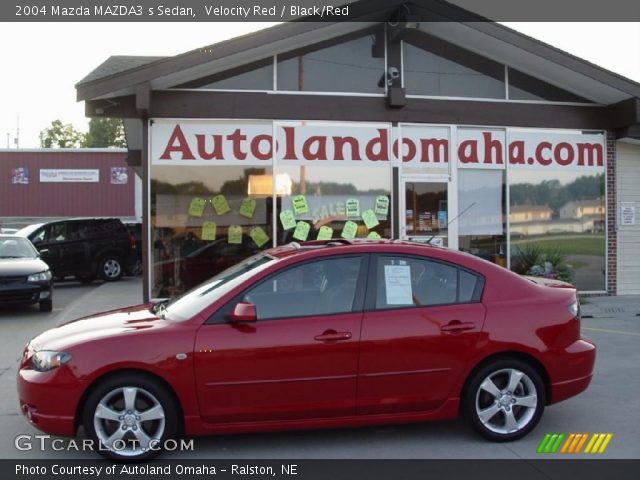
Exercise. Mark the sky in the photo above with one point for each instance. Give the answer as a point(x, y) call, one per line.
point(41, 63)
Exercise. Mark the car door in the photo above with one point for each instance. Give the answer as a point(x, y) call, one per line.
point(422, 321)
point(299, 359)
point(48, 240)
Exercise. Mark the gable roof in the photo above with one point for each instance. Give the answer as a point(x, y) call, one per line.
point(119, 75)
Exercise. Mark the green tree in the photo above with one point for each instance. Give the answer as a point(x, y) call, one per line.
point(105, 132)
point(60, 135)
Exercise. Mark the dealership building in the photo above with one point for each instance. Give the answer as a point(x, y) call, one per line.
point(413, 126)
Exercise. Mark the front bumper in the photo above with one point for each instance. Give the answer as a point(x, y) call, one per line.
point(24, 293)
point(48, 399)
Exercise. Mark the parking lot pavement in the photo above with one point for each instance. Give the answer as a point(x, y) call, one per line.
point(610, 404)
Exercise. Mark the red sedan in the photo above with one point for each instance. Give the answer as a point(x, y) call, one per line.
point(323, 334)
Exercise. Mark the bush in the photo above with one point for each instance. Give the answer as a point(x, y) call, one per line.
point(533, 259)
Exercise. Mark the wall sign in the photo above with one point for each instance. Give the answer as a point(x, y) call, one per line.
point(627, 213)
point(69, 175)
point(239, 142)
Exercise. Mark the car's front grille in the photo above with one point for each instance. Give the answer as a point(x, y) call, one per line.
point(14, 279)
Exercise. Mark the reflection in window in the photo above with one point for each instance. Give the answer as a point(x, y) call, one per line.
point(204, 220)
point(557, 225)
point(330, 200)
point(345, 67)
point(437, 68)
point(482, 225)
point(525, 87)
point(317, 288)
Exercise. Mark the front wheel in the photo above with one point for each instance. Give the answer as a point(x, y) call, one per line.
point(504, 400)
point(110, 269)
point(129, 417)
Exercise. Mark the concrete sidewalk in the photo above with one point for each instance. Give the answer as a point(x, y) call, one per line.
point(610, 307)
point(108, 296)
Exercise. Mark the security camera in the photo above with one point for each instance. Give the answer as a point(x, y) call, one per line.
point(393, 73)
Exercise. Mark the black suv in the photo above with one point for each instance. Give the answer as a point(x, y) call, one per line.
point(84, 248)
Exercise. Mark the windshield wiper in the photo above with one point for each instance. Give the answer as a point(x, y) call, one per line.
point(12, 256)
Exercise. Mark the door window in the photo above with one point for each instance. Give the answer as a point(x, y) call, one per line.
point(426, 216)
point(415, 282)
point(316, 288)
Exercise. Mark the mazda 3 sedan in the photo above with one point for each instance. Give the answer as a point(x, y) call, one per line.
point(323, 334)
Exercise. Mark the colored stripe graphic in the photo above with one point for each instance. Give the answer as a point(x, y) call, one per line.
point(573, 443)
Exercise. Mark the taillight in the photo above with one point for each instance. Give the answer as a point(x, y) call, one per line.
point(132, 241)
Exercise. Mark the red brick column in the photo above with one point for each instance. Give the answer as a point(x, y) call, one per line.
point(612, 237)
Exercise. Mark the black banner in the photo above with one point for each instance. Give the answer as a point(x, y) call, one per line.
point(325, 469)
point(315, 10)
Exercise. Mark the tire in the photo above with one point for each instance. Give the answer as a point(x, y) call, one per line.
point(504, 400)
point(85, 278)
point(46, 305)
point(120, 435)
point(110, 268)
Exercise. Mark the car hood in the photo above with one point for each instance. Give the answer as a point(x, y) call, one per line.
point(125, 321)
point(11, 267)
point(549, 282)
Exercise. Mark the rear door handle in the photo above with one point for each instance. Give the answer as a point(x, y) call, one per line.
point(457, 326)
point(332, 336)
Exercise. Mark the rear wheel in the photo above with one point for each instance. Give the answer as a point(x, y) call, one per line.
point(129, 417)
point(504, 400)
point(110, 268)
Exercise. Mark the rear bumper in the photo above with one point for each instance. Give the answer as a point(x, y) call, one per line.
point(578, 362)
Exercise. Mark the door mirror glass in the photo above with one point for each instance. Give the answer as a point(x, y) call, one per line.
point(243, 312)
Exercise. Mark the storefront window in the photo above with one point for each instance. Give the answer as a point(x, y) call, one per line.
point(205, 219)
point(334, 202)
point(345, 67)
point(481, 201)
point(434, 67)
point(557, 226)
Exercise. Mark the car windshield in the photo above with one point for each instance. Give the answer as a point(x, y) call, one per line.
point(16, 247)
point(195, 300)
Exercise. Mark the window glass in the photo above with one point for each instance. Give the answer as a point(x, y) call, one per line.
point(346, 67)
point(58, 232)
point(557, 225)
point(204, 220)
point(335, 198)
point(249, 77)
point(406, 281)
point(316, 288)
point(481, 196)
point(525, 87)
point(437, 68)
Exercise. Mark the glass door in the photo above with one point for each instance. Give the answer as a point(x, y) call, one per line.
point(425, 204)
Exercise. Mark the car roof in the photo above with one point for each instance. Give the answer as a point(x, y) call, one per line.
point(339, 245)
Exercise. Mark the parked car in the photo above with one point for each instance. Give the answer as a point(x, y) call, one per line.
point(24, 277)
point(323, 334)
point(87, 248)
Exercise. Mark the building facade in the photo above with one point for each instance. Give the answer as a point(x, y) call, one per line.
point(46, 184)
point(466, 135)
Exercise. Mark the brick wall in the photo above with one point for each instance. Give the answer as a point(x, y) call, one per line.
point(612, 238)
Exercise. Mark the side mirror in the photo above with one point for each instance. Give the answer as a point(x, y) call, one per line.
point(44, 251)
point(243, 312)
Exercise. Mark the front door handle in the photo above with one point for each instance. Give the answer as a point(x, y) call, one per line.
point(457, 326)
point(332, 336)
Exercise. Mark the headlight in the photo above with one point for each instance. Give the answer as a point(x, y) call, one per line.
point(44, 360)
point(39, 277)
point(574, 309)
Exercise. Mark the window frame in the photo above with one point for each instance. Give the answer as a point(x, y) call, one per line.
point(372, 284)
point(221, 315)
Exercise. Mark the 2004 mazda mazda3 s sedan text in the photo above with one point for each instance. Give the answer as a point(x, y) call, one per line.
point(323, 334)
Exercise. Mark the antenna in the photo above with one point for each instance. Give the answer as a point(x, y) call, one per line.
point(453, 220)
